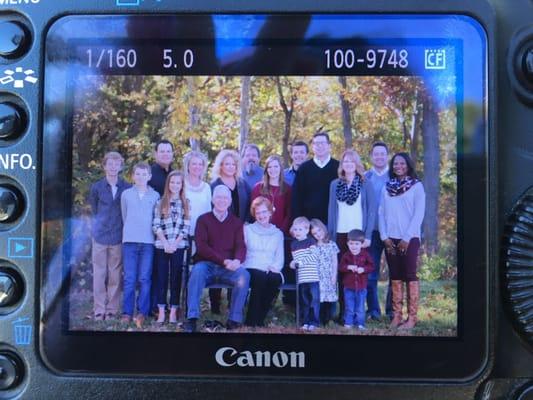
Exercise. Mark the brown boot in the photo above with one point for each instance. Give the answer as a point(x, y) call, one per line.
point(397, 303)
point(413, 296)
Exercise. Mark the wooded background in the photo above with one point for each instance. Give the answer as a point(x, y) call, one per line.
point(129, 114)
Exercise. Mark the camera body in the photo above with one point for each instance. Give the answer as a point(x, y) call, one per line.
point(32, 317)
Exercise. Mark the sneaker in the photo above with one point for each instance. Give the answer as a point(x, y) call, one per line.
point(110, 316)
point(361, 327)
point(231, 325)
point(311, 328)
point(99, 317)
point(190, 325)
point(348, 326)
point(304, 327)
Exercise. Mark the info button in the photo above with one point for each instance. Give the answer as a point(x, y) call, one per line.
point(20, 247)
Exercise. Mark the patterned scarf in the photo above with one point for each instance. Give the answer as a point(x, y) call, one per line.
point(396, 187)
point(349, 194)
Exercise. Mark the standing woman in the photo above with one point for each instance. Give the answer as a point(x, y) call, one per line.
point(227, 171)
point(264, 260)
point(275, 189)
point(171, 227)
point(351, 205)
point(197, 191)
point(401, 212)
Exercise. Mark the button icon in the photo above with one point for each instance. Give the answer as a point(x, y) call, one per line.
point(22, 331)
point(20, 247)
point(18, 77)
point(435, 58)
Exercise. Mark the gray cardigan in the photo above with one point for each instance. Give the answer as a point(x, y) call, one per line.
point(368, 204)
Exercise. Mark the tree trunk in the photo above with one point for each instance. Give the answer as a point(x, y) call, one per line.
point(414, 133)
point(346, 115)
point(245, 110)
point(194, 115)
point(430, 137)
point(287, 111)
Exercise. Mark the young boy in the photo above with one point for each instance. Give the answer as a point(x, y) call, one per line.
point(104, 198)
point(354, 268)
point(138, 205)
point(305, 261)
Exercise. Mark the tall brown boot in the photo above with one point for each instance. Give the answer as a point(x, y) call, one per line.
point(413, 296)
point(397, 303)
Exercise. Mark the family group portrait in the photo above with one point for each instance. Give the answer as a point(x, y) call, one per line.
point(258, 204)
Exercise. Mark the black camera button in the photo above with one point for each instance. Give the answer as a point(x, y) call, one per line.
point(14, 39)
point(13, 121)
point(11, 203)
point(527, 64)
point(11, 287)
point(11, 370)
point(526, 394)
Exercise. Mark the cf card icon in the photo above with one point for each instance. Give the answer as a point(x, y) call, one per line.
point(435, 59)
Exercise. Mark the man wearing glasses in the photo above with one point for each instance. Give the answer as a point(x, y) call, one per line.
point(310, 193)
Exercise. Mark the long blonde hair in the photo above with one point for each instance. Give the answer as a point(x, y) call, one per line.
point(359, 168)
point(167, 195)
point(221, 156)
point(267, 189)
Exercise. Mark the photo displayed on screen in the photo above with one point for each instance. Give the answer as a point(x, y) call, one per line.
point(265, 204)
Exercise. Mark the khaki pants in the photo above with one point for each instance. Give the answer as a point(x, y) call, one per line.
point(107, 278)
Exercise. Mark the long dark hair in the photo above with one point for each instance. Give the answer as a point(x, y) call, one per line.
point(410, 166)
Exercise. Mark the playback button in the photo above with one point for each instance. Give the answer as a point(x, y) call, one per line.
point(11, 288)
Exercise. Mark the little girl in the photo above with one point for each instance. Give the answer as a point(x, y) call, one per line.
point(327, 270)
point(171, 226)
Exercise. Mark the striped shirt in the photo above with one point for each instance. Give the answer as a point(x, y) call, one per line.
point(172, 225)
point(305, 253)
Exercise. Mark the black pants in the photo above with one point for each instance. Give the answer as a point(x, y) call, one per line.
point(264, 287)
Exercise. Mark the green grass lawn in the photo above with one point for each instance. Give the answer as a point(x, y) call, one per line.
point(437, 316)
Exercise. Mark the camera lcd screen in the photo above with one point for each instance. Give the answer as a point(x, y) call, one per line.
point(253, 175)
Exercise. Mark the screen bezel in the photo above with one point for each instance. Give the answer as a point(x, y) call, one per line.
point(423, 358)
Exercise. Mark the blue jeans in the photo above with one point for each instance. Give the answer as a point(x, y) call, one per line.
point(372, 299)
point(310, 302)
point(205, 273)
point(354, 306)
point(137, 260)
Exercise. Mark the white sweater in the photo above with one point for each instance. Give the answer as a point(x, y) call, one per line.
point(264, 247)
point(400, 217)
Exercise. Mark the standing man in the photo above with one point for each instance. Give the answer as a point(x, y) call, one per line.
point(163, 157)
point(310, 193)
point(299, 152)
point(104, 198)
point(378, 176)
point(221, 250)
point(251, 171)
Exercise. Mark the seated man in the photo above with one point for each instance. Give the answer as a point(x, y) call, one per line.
point(219, 257)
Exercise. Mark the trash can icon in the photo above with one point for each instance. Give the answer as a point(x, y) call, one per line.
point(22, 331)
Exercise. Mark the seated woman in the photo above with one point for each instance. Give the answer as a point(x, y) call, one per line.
point(264, 261)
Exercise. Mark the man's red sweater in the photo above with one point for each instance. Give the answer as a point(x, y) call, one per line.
point(218, 241)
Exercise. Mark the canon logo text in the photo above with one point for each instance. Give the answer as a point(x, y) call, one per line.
point(230, 357)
